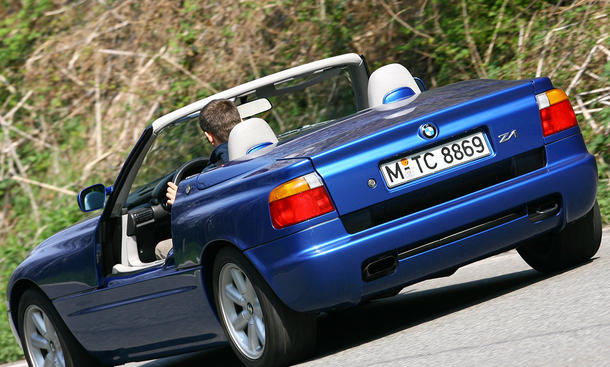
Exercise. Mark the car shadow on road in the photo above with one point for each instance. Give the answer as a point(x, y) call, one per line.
point(378, 318)
point(216, 357)
point(338, 331)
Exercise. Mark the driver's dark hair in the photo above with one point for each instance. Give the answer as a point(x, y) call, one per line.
point(218, 118)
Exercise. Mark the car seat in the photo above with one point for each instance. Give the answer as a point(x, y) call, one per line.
point(391, 83)
point(249, 136)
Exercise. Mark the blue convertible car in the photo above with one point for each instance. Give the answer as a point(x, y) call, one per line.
point(342, 186)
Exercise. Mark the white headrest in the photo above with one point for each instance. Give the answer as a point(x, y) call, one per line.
point(387, 79)
point(249, 136)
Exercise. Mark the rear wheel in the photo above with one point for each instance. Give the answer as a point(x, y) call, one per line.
point(45, 338)
point(261, 330)
point(576, 243)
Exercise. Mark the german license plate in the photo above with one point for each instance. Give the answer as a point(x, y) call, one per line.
point(439, 158)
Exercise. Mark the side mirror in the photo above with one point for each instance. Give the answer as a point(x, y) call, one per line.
point(420, 84)
point(93, 197)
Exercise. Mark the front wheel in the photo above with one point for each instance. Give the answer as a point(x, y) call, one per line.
point(261, 330)
point(576, 243)
point(45, 338)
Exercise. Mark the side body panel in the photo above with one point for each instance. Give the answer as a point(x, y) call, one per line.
point(142, 316)
point(64, 263)
point(234, 211)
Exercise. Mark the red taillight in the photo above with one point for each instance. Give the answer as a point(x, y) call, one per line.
point(556, 111)
point(298, 200)
point(557, 117)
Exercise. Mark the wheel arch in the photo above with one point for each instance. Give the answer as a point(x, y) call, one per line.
point(295, 331)
point(17, 291)
point(77, 354)
point(207, 266)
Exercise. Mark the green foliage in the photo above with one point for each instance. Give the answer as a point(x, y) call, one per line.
point(19, 32)
point(245, 39)
point(599, 144)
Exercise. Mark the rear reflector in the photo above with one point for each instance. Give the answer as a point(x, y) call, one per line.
point(298, 200)
point(556, 111)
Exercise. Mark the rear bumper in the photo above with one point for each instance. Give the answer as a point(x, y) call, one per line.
point(320, 267)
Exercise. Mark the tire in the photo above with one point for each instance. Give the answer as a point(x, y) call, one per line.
point(45, 336)
point(264, 331)
point(575, 244)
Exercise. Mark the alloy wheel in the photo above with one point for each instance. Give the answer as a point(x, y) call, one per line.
point(241, 310)
point(43, 345)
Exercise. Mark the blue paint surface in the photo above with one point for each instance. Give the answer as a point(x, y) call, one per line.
point(167, 309)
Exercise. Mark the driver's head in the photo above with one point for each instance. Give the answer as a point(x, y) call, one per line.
point(218, 119)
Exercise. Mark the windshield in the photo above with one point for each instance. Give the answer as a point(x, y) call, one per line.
point(298, 105)
point(174, 146)
point(304, 103)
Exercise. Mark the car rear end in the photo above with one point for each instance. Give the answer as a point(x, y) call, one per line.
point(426, 185)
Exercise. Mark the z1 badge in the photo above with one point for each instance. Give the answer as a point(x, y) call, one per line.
point(507, 136)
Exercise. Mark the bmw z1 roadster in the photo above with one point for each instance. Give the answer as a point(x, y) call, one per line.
point(359, 185)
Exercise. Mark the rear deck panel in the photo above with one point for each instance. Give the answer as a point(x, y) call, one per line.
point(347, 169)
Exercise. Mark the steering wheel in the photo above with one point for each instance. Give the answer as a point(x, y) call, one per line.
point(189, 168)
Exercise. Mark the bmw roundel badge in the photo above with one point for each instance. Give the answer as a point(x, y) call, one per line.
point(428, 131)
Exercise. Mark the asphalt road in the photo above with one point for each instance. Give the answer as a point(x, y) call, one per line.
point(497, 312)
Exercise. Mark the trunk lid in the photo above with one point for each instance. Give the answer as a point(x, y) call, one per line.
point(348, 154)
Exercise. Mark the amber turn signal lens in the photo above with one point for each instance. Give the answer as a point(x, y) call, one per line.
point(298, 200)
point(556, 112)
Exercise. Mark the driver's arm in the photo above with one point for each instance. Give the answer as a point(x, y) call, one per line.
point(172, 188)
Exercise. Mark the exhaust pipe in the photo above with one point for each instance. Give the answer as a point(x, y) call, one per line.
point(544, 208)
point(379, 267)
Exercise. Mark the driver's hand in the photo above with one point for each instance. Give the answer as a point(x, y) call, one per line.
point(172, 188)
